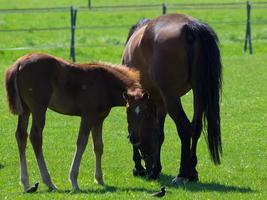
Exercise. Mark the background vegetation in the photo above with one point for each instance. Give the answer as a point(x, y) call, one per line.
point(242, 174)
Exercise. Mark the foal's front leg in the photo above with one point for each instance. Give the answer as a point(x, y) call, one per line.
point(81, 143)
point(98, 150)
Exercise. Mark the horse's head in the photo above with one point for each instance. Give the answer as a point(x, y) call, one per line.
point(143, 127)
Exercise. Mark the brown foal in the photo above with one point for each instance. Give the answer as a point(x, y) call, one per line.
point(40, 81)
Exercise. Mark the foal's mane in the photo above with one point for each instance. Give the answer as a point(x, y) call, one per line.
point(136, 26)
point(129, 76)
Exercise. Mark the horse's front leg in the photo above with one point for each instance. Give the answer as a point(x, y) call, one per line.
point(161, 115)
point(183, 126)
point(81, 143)
point(138, 169)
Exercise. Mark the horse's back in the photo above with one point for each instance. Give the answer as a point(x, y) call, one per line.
point(163, 59)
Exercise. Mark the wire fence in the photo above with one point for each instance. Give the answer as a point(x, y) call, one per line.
point(128, 7)
point(118, 8)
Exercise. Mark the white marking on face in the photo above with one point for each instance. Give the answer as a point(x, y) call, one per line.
point(137, 110)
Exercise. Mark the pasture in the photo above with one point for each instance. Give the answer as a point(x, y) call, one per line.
point(242, 174)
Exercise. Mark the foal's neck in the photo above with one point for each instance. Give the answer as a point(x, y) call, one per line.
point(123, 80)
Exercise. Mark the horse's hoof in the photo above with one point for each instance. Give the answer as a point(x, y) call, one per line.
point(180, 181)
point(153, 176)
point(52, 189)
point(33, 188)
point(139, 172)
point(193, 178)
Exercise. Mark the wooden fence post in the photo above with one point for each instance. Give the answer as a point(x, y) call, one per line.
point(89, 4)
point(248, 30)
point(164, 9)
point(73, 14)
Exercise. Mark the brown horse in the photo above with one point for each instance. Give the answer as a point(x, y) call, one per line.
point(39, 81)
point(174, 54)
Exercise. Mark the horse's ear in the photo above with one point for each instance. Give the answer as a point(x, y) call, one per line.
point(125, 96)
point(146, 96)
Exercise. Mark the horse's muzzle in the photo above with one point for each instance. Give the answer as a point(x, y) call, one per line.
point(133, 139)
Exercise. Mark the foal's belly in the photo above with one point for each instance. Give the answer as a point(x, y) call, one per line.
point(64, 104)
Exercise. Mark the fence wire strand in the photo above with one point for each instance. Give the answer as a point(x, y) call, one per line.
point(116, 8)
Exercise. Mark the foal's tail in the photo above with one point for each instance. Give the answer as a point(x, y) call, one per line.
point(209, 75)
point(13, 96)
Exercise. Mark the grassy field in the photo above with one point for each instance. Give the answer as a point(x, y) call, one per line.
point(242, 174)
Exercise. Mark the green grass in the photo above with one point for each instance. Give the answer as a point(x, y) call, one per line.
point(242, 174)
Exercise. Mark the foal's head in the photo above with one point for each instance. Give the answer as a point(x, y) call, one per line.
point(143, 126)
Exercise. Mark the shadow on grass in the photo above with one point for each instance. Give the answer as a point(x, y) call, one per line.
point(101, 190)
point(106, 189)
point(217, 187)
point(165, 180)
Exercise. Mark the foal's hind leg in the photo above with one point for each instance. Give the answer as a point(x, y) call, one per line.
point(81, 143)
point(183, 126)
point(38, 122)
point(98, 150)
point(21, 136)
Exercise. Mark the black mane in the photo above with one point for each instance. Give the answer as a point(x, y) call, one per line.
point(136, 26)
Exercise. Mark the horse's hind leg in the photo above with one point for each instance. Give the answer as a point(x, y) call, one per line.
point(21, 137)
point(38, 122)
point(183, 126)
point(196, 131)
point(81, 143)
point(98, 150)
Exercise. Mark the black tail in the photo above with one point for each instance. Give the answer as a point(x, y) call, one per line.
point(209, 84)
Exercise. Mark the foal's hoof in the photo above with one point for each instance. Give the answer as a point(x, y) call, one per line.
point(33, 188)
point(99, 181)
point(75, 190)
point(139, 172)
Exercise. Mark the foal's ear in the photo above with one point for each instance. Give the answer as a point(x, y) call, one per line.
point(125, 96)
